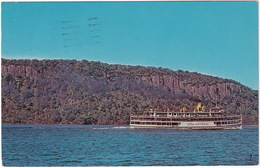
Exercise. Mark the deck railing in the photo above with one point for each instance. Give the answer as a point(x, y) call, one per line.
point(187, 117)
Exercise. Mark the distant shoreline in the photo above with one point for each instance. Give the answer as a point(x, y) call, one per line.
point(89, 125)
point(92, 92)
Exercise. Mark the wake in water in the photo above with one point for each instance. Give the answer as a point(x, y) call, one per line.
point(121, 127)
point(235, 127)
point(117, 127)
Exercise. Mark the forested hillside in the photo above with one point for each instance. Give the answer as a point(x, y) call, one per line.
point(88, 92)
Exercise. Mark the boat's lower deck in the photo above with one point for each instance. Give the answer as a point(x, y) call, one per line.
point(204, 127)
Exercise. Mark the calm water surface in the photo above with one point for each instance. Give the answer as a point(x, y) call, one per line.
point(45, 145)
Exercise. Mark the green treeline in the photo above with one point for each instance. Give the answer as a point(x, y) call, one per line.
point(88, 92)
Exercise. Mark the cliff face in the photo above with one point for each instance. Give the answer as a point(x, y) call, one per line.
point(190, 84)
point(19, 70)
point(83, 92)
point(193, 86)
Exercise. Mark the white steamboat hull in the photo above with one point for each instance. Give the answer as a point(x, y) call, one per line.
point(199, 125)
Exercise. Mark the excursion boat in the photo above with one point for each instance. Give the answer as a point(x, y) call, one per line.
point(197, 119)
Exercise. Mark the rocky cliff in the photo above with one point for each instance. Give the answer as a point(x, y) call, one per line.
point(192, 84)
point(87, 92)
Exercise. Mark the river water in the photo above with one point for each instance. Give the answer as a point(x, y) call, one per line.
point(73, 145)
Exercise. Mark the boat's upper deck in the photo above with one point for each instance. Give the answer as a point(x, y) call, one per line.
point(172, 114)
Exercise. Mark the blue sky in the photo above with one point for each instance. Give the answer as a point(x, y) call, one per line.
point(214, 38)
